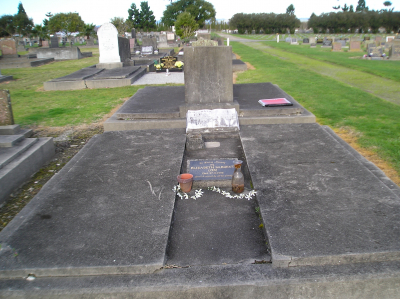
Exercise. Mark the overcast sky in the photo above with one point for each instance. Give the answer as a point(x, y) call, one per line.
point(101, 11)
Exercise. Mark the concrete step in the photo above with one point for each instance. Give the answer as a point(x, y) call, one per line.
point(22, 167)
point(10, 140)
point(10, 130)
point(8, 154)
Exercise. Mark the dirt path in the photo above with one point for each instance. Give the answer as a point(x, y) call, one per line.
point(383, 88)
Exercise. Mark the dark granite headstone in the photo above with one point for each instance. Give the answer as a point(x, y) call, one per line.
point(124, 49)
point(306, 40)
point(133, 33)
point(205, 170)
point(374, 51)
point(6, 115)
point(54, 42)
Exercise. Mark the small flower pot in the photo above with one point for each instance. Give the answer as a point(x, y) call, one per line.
point(185, 180)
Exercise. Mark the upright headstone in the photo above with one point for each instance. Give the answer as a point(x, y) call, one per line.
point(171, 37)
point(389, 38)
point(337, 47)
point(312, 39)
point(394, 52)
point(124, 49)
point(54, 41)
point(6, 115)
point(208, 76)
point(45, 43)
point(108, 47)
point(306, 41)
point(9, 48)
point(149, 42)
point(162, 42)
point(288, 40)
point(90, 42)
point(378, 39)
point(355, 46)
point(133, 33)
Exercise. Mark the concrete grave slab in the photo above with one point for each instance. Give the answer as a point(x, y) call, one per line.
point(309, 185)
point(78, 225)
point(80, 75)
point(119, 73)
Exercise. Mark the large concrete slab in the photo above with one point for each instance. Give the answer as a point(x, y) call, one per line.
point(80, 75)
point(107, 212)
point(320, 205)
point(155, 103)
point(118, 73)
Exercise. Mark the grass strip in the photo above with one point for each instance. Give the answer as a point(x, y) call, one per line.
point(334, 103)
point(378, 86)
point(387, 68)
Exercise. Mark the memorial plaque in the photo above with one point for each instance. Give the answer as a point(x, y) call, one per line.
point(394, 52)
point(108, 44)
point(206, 170)
point(355, 46)
point(216, 118)
point(169, 62)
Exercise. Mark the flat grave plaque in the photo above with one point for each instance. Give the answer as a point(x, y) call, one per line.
point(206, 170)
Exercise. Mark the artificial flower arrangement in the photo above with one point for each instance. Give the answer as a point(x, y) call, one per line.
point(159, 66)
point(199, 193)
point(179, 64)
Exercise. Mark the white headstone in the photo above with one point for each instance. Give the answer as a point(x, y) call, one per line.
point(108, 43)
point(210, 119)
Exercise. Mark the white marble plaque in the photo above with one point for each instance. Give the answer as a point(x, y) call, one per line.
point(170, 36)
point(216, 118)
point(108, 44)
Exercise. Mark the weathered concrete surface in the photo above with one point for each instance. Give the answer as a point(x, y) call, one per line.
point(108, 211)
point(152, 104)
point(21, 62)
point(82, 74)
point(93, 77)
point(238, 65)
point(5, 78)
point(364, 280)
point(320, 205)
point(20, 162)
point(66, 53)
point(208, 75)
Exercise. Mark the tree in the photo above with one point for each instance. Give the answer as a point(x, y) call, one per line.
point(21, 9)
point(361, 6)
point(201, 10)
point(290, 10)
point(143, 19)
point(67, 23)
point(7, 26)
point(41, 32)
point(88, 31)
point(345, 7)
point(121, 25)
point(185, 25)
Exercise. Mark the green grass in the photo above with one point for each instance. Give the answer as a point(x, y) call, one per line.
point(386, 69)
point(32, 106)
point(334, 103)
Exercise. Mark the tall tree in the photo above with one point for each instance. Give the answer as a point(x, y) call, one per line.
point(201, 10)
point(185, 25)
point(361, 6)
point(143, 19)
point(67, 23)
point(121, 25)
point(21, 9)
point(290, 10)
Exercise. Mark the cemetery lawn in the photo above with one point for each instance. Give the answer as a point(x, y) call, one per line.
point(32, 106)
point(374, 122)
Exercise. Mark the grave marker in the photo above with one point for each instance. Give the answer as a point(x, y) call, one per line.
point(54, 42)
point(306, 41)
point(394, 52)
point(355, 46)
point(337, 47)
point(216, 169)
point(108, 47)
point(6, 115)
point(8, 47)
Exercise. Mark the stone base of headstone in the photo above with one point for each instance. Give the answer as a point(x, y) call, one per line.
point(110, 65)
point(194, 142)
point(183, 109)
